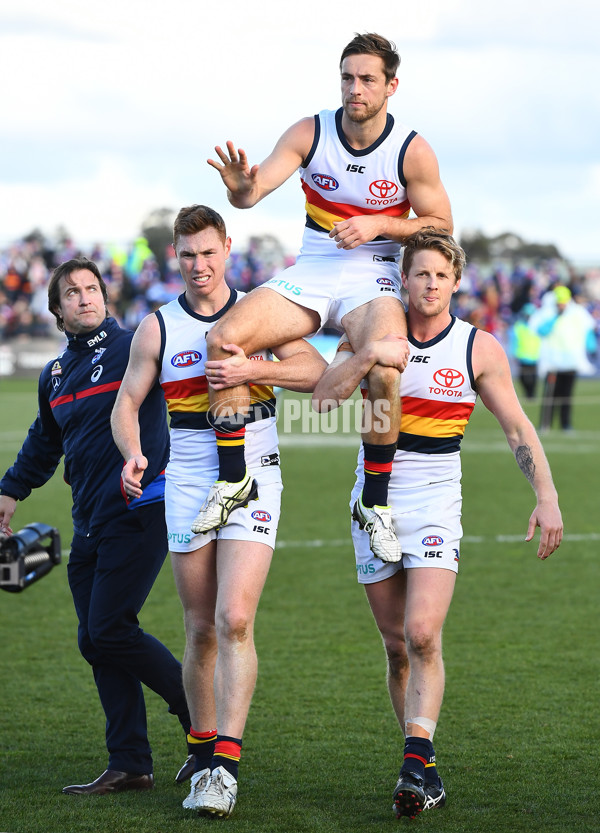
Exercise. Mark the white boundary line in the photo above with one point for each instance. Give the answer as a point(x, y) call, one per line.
point(319, 543)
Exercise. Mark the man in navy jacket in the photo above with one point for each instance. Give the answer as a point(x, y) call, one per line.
point(119, 544)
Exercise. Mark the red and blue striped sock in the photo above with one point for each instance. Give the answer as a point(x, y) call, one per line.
point(202, 746)
point(378, 461)
point(231, 446)
point(417, 752)
point(431, 773)
point(228, 752)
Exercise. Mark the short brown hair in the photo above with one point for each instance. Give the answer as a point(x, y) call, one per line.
point(64, 270)
point(373, 44)
point(439, 240)
point(195, 218)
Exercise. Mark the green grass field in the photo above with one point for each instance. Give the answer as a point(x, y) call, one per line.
point(518, 735)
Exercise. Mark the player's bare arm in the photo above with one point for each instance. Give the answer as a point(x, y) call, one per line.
point(140, 376)
point(428, 199)
point(347, 369)
point(497, 392)
point(246, 185)
point(299, 368)
point(425, 190)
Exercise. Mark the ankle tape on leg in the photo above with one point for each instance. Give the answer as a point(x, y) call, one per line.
point(423, 722)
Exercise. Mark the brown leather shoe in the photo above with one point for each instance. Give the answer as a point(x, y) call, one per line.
point(112, 781)
point(187, 770)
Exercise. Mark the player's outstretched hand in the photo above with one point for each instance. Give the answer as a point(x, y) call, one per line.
point(131, 475)
point(236, 173)
point(548, 518)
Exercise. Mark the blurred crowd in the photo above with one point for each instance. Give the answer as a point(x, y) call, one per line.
point(499, 297)
point(137, 281)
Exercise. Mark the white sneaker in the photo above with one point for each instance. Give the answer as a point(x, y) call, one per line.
point(377, 521)
point(199, 783)
point(222, 499)
point(220, 795)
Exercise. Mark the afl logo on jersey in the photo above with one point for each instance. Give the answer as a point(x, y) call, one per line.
point(448, 377)
point(385, 282)
point(326, 182)
point(432, 541)
point(186, 358)
point(260, 515)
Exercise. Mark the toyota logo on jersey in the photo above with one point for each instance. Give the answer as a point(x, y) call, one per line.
point(447, 377)
point(383, 188)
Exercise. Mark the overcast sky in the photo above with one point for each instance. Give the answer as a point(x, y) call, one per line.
point(110, 109)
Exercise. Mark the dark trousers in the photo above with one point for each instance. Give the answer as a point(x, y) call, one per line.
point(111, 575)
point(558, 396)
point(528, 378)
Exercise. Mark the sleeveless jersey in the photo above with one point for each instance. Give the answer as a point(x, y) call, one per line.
point(182, 357)
point(340, 182)
point(438, 396)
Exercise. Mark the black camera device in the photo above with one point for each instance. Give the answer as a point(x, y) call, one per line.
point(28, 555)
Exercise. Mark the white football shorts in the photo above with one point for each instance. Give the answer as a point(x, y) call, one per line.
point(427, 523)
point(192, 470)
point(334, 286)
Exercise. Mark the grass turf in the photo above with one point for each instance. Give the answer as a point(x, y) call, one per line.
point(516, 742)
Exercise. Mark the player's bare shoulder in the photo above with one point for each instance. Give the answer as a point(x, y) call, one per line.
point(419, 155)
point(147, 337)
point(299, 137)
point(489, 357)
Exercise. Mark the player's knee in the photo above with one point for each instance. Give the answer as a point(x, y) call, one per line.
point(234, 627)
point(221, 333)
point(395, 648)
point(383, 382)
point(423, 643)
point(200, 634)
point(214, 342)
point(397, 657)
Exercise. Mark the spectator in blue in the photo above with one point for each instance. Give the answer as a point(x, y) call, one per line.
point(568, 336)
point(524, 346)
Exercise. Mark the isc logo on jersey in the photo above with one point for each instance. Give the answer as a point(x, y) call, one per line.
point(260, 515)
point(186, 358)
point(326, 182)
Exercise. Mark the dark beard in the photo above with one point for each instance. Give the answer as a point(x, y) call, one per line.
point(363, 114)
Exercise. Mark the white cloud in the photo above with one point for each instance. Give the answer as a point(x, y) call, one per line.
point(108, 199)
point(111, 109)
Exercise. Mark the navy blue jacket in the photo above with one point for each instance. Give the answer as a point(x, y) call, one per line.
point(76, 394)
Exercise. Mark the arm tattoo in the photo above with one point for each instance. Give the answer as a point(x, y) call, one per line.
point(525, 460)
